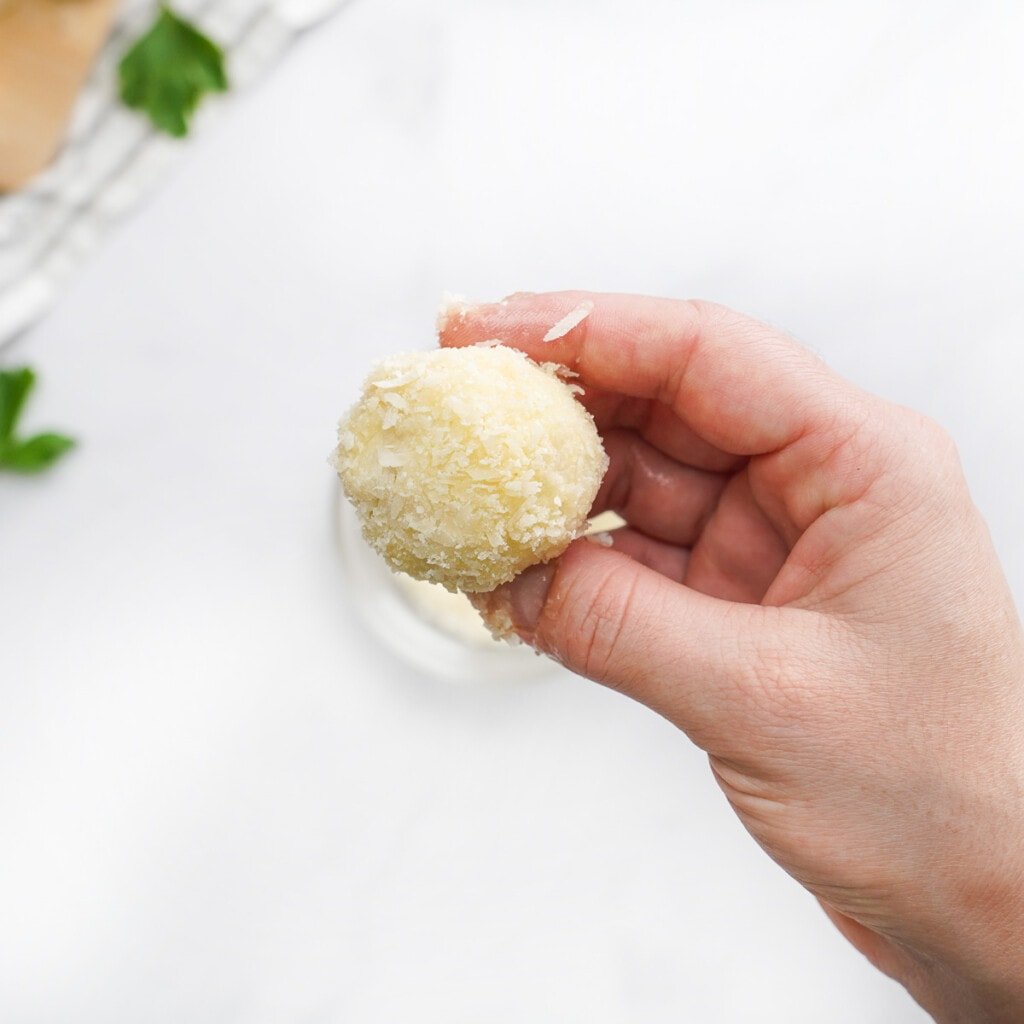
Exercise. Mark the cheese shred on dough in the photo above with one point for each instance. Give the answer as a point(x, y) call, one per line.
point(468, 465)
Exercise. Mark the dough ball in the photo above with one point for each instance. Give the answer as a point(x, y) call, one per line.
point(468, 465)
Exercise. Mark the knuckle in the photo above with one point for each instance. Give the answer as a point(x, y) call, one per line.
point(930, 456)
point(702, 311)
point(922, 429)
point(940, 440)
point(930, 438)
point(918, 466)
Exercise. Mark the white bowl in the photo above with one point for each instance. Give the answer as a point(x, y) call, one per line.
point(428, 627)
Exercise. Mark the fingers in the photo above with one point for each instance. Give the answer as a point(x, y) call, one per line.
point(736, 551)
point(740, 386)
point(654, 493)
point(606, 616)
point(660, 426)
point(669, 560)
point(739, 552)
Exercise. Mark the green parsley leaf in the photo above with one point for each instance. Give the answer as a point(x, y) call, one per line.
point(168, 71)
point(14, 388)
point(35, 454)
point(32, 454)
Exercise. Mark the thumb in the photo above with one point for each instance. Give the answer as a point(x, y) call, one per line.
point(690, 657)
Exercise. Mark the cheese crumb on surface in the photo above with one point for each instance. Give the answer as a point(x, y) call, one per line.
point(487, 464)
point(572, 319)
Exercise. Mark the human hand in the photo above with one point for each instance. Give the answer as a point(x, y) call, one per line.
point(806, 589)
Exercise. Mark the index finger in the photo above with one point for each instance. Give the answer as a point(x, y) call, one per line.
point(742, 386)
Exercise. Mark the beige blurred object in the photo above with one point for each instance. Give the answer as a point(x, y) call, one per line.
point(46, 50)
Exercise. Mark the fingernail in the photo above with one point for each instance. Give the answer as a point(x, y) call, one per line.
point(527, 594)
point(514, 609)
point(453, 307)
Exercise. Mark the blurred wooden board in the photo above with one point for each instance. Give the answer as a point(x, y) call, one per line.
point(46, 50)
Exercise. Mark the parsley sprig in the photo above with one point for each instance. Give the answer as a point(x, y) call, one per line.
point(169, 70)
point(31, 454)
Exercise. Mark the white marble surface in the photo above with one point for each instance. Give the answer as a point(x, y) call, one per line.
point(220, 800)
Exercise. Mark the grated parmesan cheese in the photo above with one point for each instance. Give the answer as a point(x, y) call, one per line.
point(569, 321)
point(485, 465)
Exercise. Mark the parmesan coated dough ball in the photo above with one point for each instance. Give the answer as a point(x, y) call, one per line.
point(468, 465)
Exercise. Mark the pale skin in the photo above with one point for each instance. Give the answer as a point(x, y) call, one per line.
point(806, 590)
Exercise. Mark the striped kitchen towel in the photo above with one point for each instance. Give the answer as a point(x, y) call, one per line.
point(112, 157)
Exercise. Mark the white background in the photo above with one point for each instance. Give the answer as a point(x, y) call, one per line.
point(220, 800)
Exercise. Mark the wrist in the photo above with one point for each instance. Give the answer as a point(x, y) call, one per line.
point(955, 994)
point(970, 968)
